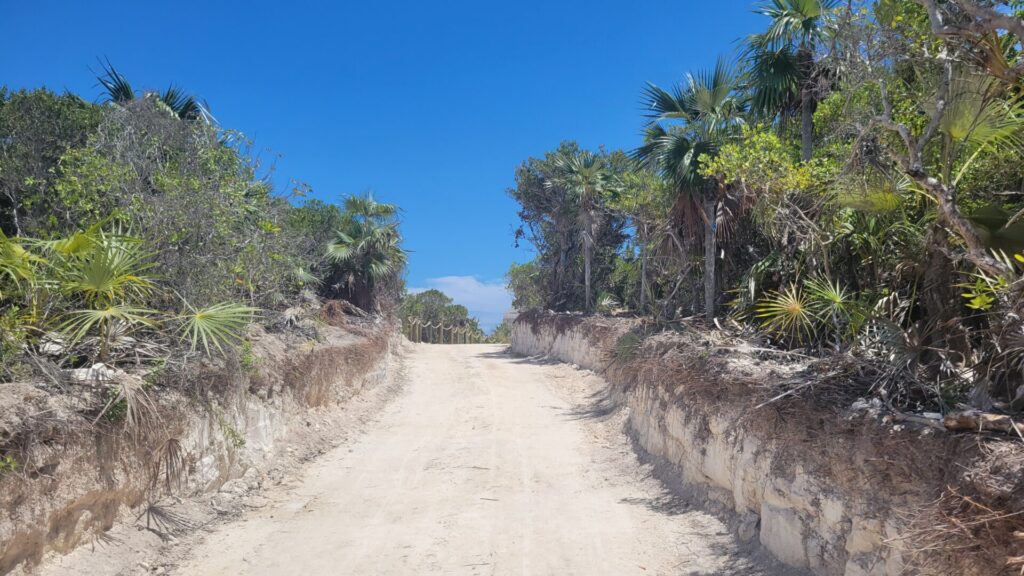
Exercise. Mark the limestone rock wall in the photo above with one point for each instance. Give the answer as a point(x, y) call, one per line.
point(804, 519)
point(76, 479)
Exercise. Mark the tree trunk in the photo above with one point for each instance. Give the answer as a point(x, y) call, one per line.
point(806, 124)
point(709, 259)
point(949, 212)
point(587, 249)
point(643, 267)
point(805, 61)
point(940, 303)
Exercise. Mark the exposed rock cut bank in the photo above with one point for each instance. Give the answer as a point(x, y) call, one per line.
point(223, 434)
point(833, 491)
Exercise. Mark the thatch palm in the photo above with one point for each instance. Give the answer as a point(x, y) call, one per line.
point(780, 61)
point(119, 91)
point(367, 249)
point(586, 177)
point(106, 276)
point(690, 122)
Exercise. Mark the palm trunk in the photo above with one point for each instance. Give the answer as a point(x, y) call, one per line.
point(642, 230)
point(587, 255)
point(709, 259)
point(105, 331)
point(807, 124)
point(805, 61)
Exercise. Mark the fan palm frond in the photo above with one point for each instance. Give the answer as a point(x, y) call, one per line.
point(798, 21)
point(79, 323)
point(215, 327)
point(773, 77)
point(114, 269)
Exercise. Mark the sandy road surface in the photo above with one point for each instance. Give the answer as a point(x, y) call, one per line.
point(484, 466)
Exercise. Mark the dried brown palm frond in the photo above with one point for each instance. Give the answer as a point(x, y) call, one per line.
point(140, 412)
point(162, 521)
point(167, 467)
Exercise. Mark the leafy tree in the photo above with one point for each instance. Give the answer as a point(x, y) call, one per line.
point(124, 228)
point(525, 283)
point(37, 128)
point(643, 197)
point(901, 240)
point(502, 333)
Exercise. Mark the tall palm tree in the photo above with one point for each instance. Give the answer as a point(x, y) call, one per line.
point(366, 252)
point(690, 122)
point(781, 65)
point(586, 177)
point(119, 91)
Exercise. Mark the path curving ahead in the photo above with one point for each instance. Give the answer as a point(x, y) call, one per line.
point(488, 464)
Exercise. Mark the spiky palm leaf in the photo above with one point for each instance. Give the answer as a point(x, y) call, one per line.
point(788, 313)
point(215, 327)
point(118, 89)
point(779, 62)
point(836, 307)
point(692, 120)
point(584, 174)
point(368, 247)
point(368, 208)
point(183, 105)
point(303, 277)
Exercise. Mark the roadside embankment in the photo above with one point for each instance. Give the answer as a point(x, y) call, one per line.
point(81, 470)
point(834, 489)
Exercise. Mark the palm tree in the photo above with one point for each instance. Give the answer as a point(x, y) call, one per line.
point(586, 177)
point(119, 91)
point(690, 122)
point(366, 252)
point(780, 61)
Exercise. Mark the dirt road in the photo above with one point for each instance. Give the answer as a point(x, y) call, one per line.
point(485, 466)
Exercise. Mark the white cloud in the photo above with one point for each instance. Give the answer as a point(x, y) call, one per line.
point(488, 301)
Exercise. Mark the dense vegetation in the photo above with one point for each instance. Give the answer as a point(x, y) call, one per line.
point(139, 233)
point(850, 184)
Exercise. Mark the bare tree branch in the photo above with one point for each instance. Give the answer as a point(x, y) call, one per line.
point(980, 26)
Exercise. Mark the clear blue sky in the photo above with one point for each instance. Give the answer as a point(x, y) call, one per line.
point(431, 105)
